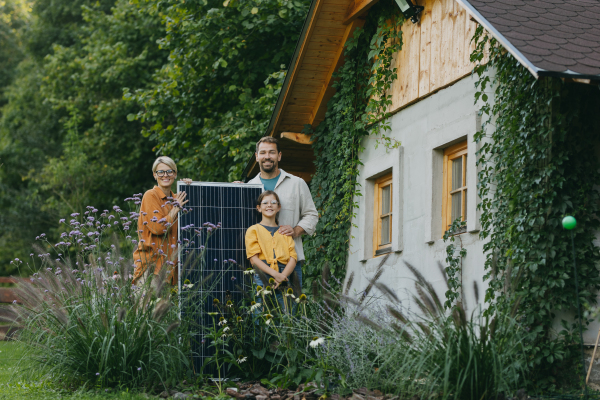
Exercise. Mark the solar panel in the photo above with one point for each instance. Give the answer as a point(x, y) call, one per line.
point(233, 205)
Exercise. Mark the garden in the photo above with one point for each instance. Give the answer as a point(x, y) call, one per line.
point(88, 331)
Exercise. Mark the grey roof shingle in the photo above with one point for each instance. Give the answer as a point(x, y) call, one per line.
point(553, 37)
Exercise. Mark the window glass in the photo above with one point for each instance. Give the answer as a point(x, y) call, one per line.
point(385, 199)
point(456, 173)
point(382, 232)
point(385, 230)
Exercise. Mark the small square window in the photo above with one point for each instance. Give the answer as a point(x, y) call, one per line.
point(382, 237)
point(454, 204)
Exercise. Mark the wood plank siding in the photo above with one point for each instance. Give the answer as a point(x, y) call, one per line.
point(435, 55)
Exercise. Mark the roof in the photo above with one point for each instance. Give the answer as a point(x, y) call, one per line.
point(558, 38)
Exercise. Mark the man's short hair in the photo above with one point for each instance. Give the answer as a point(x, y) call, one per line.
point(268, 139)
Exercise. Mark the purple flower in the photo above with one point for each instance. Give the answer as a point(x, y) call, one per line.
point(75, 215)
point(14, 302)
point(97, 373)
point(216, 260)
point(140, 368)
point(61, 221)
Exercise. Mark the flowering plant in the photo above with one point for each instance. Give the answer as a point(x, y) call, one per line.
point(85, 322)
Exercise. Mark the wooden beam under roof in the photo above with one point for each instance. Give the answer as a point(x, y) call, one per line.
point(356, 8)
point(300, 138)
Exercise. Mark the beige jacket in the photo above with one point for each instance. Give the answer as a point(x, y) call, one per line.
point(297, 206)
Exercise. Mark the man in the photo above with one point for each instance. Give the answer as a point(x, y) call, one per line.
point(298, 215)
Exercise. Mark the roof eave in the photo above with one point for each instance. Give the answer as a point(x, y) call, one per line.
point(535, 71)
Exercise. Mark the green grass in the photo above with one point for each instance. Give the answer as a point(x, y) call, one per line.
point(12, 386)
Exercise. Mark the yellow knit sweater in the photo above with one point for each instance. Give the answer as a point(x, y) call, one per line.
point(260, 242)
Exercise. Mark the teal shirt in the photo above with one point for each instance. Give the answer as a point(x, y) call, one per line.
point(269, 184)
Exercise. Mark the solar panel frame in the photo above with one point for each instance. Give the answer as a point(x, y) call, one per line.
point(233, 205)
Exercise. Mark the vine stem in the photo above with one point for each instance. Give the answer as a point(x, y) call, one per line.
point(579, 315)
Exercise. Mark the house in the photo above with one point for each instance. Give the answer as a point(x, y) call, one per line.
point(411, 194)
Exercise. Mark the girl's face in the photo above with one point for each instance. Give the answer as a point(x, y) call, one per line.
point(269, 206)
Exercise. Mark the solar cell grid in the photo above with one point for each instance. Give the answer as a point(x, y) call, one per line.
point(233, 205)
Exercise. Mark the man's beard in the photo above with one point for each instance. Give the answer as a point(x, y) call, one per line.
point(270, 169)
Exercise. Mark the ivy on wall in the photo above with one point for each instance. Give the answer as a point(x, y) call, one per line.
point(358, 108)
point(539, 163)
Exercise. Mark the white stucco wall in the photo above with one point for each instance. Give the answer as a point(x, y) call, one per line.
point(424, 130)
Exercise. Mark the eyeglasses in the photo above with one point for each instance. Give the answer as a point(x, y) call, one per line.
point(266, 203)
point(169, 172)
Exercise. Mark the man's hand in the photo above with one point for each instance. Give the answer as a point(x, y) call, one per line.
point(237, 182)
point(287, 230)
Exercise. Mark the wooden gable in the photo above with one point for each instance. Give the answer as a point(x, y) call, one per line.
point(435, 55)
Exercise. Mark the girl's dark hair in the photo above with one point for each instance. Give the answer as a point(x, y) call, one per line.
point(265, 194)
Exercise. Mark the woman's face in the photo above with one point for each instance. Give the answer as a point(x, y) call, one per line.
point(267, 208)
point(168, 175)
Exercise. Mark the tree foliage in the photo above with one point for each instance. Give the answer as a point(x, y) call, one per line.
point(214, 97)
point(65, 140)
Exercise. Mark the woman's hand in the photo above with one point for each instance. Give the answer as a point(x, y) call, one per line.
point(180, 200)
point(187, 181)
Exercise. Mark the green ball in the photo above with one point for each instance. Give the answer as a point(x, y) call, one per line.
point(569, 222)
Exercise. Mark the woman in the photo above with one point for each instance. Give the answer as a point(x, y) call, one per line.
point(157, 224)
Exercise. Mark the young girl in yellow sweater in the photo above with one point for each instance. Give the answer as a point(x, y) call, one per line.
point(268, 250)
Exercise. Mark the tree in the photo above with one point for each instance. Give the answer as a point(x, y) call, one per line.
point(213, 98)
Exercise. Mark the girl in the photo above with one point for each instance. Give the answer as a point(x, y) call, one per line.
point(268, 250)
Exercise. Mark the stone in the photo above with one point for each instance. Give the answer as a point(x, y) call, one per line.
point(164, 395)
point(275, 397)
point(180, 396)
point(261, 397)
point(521, 394)
point(361, 391)
point(234, 393)
point(258, 390)
point(356, 396)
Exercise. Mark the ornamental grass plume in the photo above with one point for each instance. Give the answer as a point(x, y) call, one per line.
point(445, 351)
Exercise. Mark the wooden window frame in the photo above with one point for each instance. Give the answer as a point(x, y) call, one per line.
point(381, 183)
point(452, 153)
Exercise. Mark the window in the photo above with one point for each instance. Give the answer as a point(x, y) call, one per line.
point(454, 204)
point(382, 237)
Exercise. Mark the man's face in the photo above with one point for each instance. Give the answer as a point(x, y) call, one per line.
point(267, 157)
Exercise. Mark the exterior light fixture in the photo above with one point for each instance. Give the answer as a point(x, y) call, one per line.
point(410, 10)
